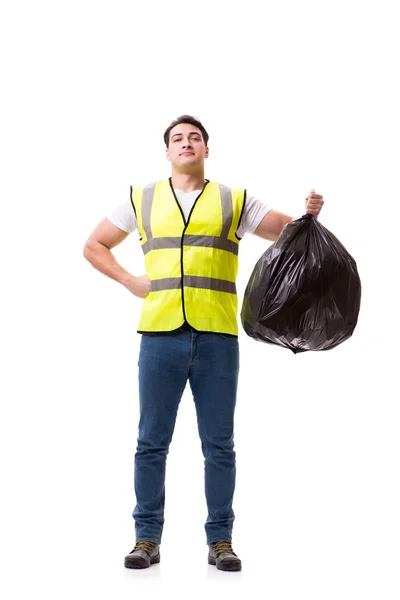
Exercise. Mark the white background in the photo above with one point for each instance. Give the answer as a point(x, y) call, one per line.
point(295, 95)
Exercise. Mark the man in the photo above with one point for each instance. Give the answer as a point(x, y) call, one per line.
point(190, 229)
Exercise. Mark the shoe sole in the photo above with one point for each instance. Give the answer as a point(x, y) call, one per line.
point(141, 563)
point(227, 565)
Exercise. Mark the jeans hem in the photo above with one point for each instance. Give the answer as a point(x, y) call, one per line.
point(148, 539)
point(219, 539)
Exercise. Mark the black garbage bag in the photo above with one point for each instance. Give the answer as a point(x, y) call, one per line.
point(304, 292)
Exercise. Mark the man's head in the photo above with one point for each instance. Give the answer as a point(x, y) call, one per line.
point(191, 121)
point(186, 141)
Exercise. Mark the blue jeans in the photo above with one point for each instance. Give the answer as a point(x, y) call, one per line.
point(210, 362)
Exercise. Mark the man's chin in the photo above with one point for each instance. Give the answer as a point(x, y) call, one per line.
point(189, 161)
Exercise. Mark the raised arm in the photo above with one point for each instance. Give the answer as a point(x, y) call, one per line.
point(272, 225)
point(274, 221)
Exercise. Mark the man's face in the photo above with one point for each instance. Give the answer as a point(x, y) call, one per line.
point(186, 146)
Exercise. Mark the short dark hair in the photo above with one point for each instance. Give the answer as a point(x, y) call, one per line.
point(186, 119)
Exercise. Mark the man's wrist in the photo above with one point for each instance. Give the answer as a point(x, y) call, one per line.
point(126, 278)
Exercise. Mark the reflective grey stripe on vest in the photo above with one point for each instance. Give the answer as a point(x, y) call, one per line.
point(208, 283)
point(147, 204)
point(210, 241)
point(227, 210)
point(160, 243)
point(167, 283)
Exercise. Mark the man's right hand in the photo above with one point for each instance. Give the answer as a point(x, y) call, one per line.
point(139, 286)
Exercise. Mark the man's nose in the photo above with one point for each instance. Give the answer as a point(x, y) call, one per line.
point(186, 142)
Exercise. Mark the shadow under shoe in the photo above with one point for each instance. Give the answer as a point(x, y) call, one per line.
point(223, 557)
point(143, 555)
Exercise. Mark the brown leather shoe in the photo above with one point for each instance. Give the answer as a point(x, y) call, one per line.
point(222, 555)
point(143, 555)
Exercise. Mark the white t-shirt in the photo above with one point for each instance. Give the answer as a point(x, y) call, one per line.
point(123, 216)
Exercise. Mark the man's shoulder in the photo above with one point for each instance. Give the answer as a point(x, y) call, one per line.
point(232, 188)
point(146, 191)
point(150, 183)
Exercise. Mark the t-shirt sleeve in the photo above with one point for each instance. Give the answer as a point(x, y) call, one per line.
point(253, 213)
point(123, 217)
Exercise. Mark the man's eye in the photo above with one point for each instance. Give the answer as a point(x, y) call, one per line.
point(177, 140)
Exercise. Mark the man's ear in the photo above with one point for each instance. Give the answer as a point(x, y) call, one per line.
point(167, 154)
point(207, 151)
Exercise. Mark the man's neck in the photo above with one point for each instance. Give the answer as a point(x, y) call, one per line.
point(188, 182)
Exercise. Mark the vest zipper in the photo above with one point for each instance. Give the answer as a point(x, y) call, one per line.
point(186, 223)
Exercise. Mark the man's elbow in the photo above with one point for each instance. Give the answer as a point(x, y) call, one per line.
point(88, 250)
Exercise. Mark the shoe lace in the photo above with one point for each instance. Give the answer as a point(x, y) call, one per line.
point(223, 546)
point(143, 545)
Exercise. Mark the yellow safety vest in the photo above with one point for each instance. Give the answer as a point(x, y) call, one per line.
point(192, 266)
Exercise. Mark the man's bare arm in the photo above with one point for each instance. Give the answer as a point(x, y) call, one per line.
point(274, 221)
point(272, 225)
point(97, 251)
